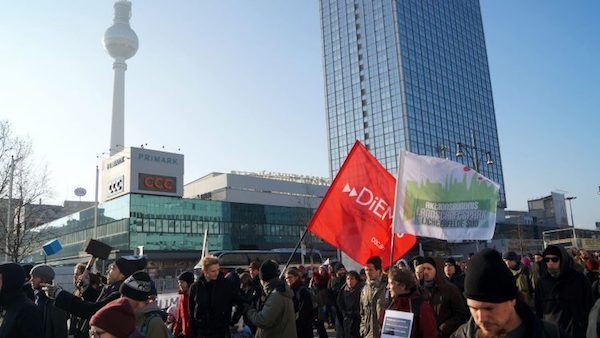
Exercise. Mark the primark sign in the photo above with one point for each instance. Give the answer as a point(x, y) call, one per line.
point(142, 171)
point(157, 158)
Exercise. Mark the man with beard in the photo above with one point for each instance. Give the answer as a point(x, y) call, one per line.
point(19, 317)
point(522, 278)
point(496, 311)
point(54, 319)
point(563, 295)
point(444, 297)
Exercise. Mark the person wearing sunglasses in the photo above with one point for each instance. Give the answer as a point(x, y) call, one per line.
point(563, 295)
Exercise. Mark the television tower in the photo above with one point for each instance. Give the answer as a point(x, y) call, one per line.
point(121, 42)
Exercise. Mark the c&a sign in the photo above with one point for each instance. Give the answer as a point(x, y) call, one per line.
point(151, 182)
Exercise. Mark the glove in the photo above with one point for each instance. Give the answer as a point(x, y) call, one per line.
point(51, 290)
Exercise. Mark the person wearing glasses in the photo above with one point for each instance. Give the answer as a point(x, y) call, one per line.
point(563, 295)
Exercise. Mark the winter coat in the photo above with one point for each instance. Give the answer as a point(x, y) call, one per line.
point(20, 318)
point(348, 304)
point(424, 326)
point(182, 326)
point(303, 307)
point(448, 304)
point(524, 284)
point(277, 318)
point(75, 305)
point(534, 327)
point(210, 305)
point(54, 319)
point(149, 322)
point(372, 305)
point(85, 310)
point(593, 329)
point(458, 279)
point(565, 300)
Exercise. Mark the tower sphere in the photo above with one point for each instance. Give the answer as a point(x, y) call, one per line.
point(120, 41)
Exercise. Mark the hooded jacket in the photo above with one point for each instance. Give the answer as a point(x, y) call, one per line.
point(447, 302)
point(277, 318)
point(565, 300)
point(20, 317)
point(149, 322)
point(534, 327)
point(348, 304)
point(424, 321)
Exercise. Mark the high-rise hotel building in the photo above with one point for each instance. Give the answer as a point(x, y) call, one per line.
point(409, 74)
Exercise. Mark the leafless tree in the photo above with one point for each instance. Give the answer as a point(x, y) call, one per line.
point(20, 233)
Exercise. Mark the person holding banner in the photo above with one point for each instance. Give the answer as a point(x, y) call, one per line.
point(449, 306)
point(405, 297)
point(496, 309)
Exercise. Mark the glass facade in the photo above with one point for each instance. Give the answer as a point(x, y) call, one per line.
point(172, 224)
point(408, 75)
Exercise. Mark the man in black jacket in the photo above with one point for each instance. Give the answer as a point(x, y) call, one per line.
point(211, 301)
point(496, 310)
point(54, 319)
point(20, 318)
point(122, 268)
point(563, 295)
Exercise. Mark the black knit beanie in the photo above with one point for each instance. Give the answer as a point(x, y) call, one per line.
point(429, 260)
point(489, 279)
point(553, 250)
point(338, 267)
point(187, 277)
point(268, 270)
point(137, 286)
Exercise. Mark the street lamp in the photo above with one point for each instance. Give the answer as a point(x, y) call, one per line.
point(571, 207)
point(474, 152)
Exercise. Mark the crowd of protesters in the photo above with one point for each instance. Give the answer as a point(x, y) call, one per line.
point(553, 293)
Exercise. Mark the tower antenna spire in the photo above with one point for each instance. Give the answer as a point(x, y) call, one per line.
point(121, 43)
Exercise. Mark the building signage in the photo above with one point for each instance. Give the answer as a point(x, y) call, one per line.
point(116, 162)
point(157, 183)
point(142, 171)
point(157, 158)
point(116, 186)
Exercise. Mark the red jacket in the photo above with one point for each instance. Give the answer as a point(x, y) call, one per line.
point(423, 327)
point(182, 325)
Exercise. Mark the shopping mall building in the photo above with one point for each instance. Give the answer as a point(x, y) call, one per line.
point(144, 203)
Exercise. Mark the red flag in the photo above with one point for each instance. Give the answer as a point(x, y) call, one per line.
point(356, 214)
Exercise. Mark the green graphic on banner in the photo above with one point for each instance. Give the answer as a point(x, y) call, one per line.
point(453, 204)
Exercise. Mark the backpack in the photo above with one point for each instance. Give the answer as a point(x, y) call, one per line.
point(149, 317)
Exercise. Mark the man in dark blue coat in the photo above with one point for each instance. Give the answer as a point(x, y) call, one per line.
point(20, 317)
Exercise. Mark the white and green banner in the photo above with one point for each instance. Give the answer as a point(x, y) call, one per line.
point(443, 199)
